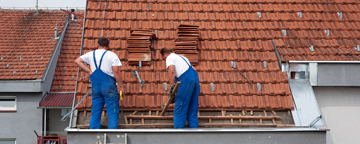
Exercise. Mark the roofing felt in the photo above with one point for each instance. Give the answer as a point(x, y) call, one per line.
point(229, 31)
point(66, 70)
point(57, 100)
point(27, 42)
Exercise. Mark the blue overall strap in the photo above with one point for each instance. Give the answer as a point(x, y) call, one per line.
point(94, 60)
point(185, 61)
point(102, 58)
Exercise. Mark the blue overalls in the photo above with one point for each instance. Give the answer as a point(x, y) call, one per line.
point(103, 91)
point(187, 99)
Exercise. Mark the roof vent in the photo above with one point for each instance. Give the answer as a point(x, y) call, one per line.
point(327, 32)
point(284, 32)
point(259, 86)
point(14, 72)
point(357, 47)
point(340, 14)
point(27, 64)
point(21, 58)
point(64, 68)
point(300, 14)
point(311, 48)
point(72, 15)
point(165, 86)
point(42, 58)
point(259, 14)
point(2, 58)
point(7, 65)
point(60, 87)
point(212, 87)
point(233, 64)
point(72, 77)
point(36, 72)
point(56, 32)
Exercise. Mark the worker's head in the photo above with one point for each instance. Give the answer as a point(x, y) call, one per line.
point(103, 43)
point(165, 52)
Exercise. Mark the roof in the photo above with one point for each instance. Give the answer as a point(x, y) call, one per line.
point(66, 70)
point(27, 42)
point(57, 100)
point(229, 31)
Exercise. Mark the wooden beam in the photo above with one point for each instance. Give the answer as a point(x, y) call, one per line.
point(204, 117)
point(125, 119)
point(170, 98)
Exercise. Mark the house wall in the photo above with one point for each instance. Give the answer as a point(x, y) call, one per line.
point(55, 126)
point(340, 107)
point(22, 123)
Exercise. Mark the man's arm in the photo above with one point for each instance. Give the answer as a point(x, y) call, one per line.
point(81, 64)
point(118, 77)
point(171, 72)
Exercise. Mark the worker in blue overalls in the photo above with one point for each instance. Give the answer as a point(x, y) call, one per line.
point(104, 74)
point(187, 95)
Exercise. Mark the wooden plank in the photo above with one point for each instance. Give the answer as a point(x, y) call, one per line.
point(134, 112)
point(273, 112)
point(142, 120)
point(243, 112)
point(125, 119)
point(231, 120)
point(273, 120)
point(223, 113)
point(149, 113)
point(265, 113)
point(170, 98)
point(240, 121)
point(84, 113)
point(157, 112)
point(251, 112)
point(204, 117)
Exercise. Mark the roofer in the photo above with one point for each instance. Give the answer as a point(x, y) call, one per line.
point(104, 74)
point(187, 95)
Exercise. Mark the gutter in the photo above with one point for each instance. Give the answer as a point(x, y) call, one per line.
point(77, 77)
point(200, 130)
point(356, 62)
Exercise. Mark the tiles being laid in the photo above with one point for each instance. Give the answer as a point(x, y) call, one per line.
point(139, 46)
point(187, 41)
point(243, 31)
point(27, 42)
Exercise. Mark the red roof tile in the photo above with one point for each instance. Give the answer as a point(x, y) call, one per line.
point(57, 100)
point(66, 70)
point(27, 42)
point(229, 31)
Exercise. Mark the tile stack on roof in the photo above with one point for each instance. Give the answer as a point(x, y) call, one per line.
point(27, 42)
point(66, 70)
point(139, 46)
point(230, 31)
point(186, 42)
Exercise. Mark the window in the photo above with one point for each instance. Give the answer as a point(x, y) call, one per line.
point(7, 141)
point(7, 103)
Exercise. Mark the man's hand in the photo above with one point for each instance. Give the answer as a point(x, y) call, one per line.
point(81, 64)
point(120, 87)
point(171, 89)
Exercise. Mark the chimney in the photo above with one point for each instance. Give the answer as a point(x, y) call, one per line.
point(55, 35)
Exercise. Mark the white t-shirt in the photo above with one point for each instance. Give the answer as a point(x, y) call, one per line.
point(180, 65)
point(110, 59)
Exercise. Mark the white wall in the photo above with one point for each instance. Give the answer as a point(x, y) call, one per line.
point(340, 108)
point(22, 123)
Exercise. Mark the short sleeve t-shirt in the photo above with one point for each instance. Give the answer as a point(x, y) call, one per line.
point(180, 65)
point(110, 59)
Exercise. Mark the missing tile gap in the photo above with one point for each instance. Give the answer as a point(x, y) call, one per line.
point(42, 58)
point(27, 64)
point(64, 68)
point(259, 86)
point(265, 64)
point(14, 72)
point(7, 65)
point(165, 86)
point(327, 32)
point(60, 87)
point(2, 58)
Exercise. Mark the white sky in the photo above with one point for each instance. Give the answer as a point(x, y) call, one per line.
point(51, 4)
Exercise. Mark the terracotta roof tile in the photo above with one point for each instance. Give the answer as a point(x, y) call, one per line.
point(27, 42)
point(66, 70)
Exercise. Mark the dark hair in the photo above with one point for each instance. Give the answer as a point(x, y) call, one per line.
point(165, 50)
point(103, 42)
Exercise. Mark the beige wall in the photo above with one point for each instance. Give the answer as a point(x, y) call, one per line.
point(340, 108)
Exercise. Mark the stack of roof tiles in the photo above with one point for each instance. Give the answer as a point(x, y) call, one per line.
point(27, 42)
point(186, 42)
point(139, 46)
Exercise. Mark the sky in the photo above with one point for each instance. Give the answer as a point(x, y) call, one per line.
point(51, 4)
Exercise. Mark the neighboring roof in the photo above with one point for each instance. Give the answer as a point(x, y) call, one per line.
point(57, 100)
point(27, 42)
point(66, 70)
point(229, 31)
